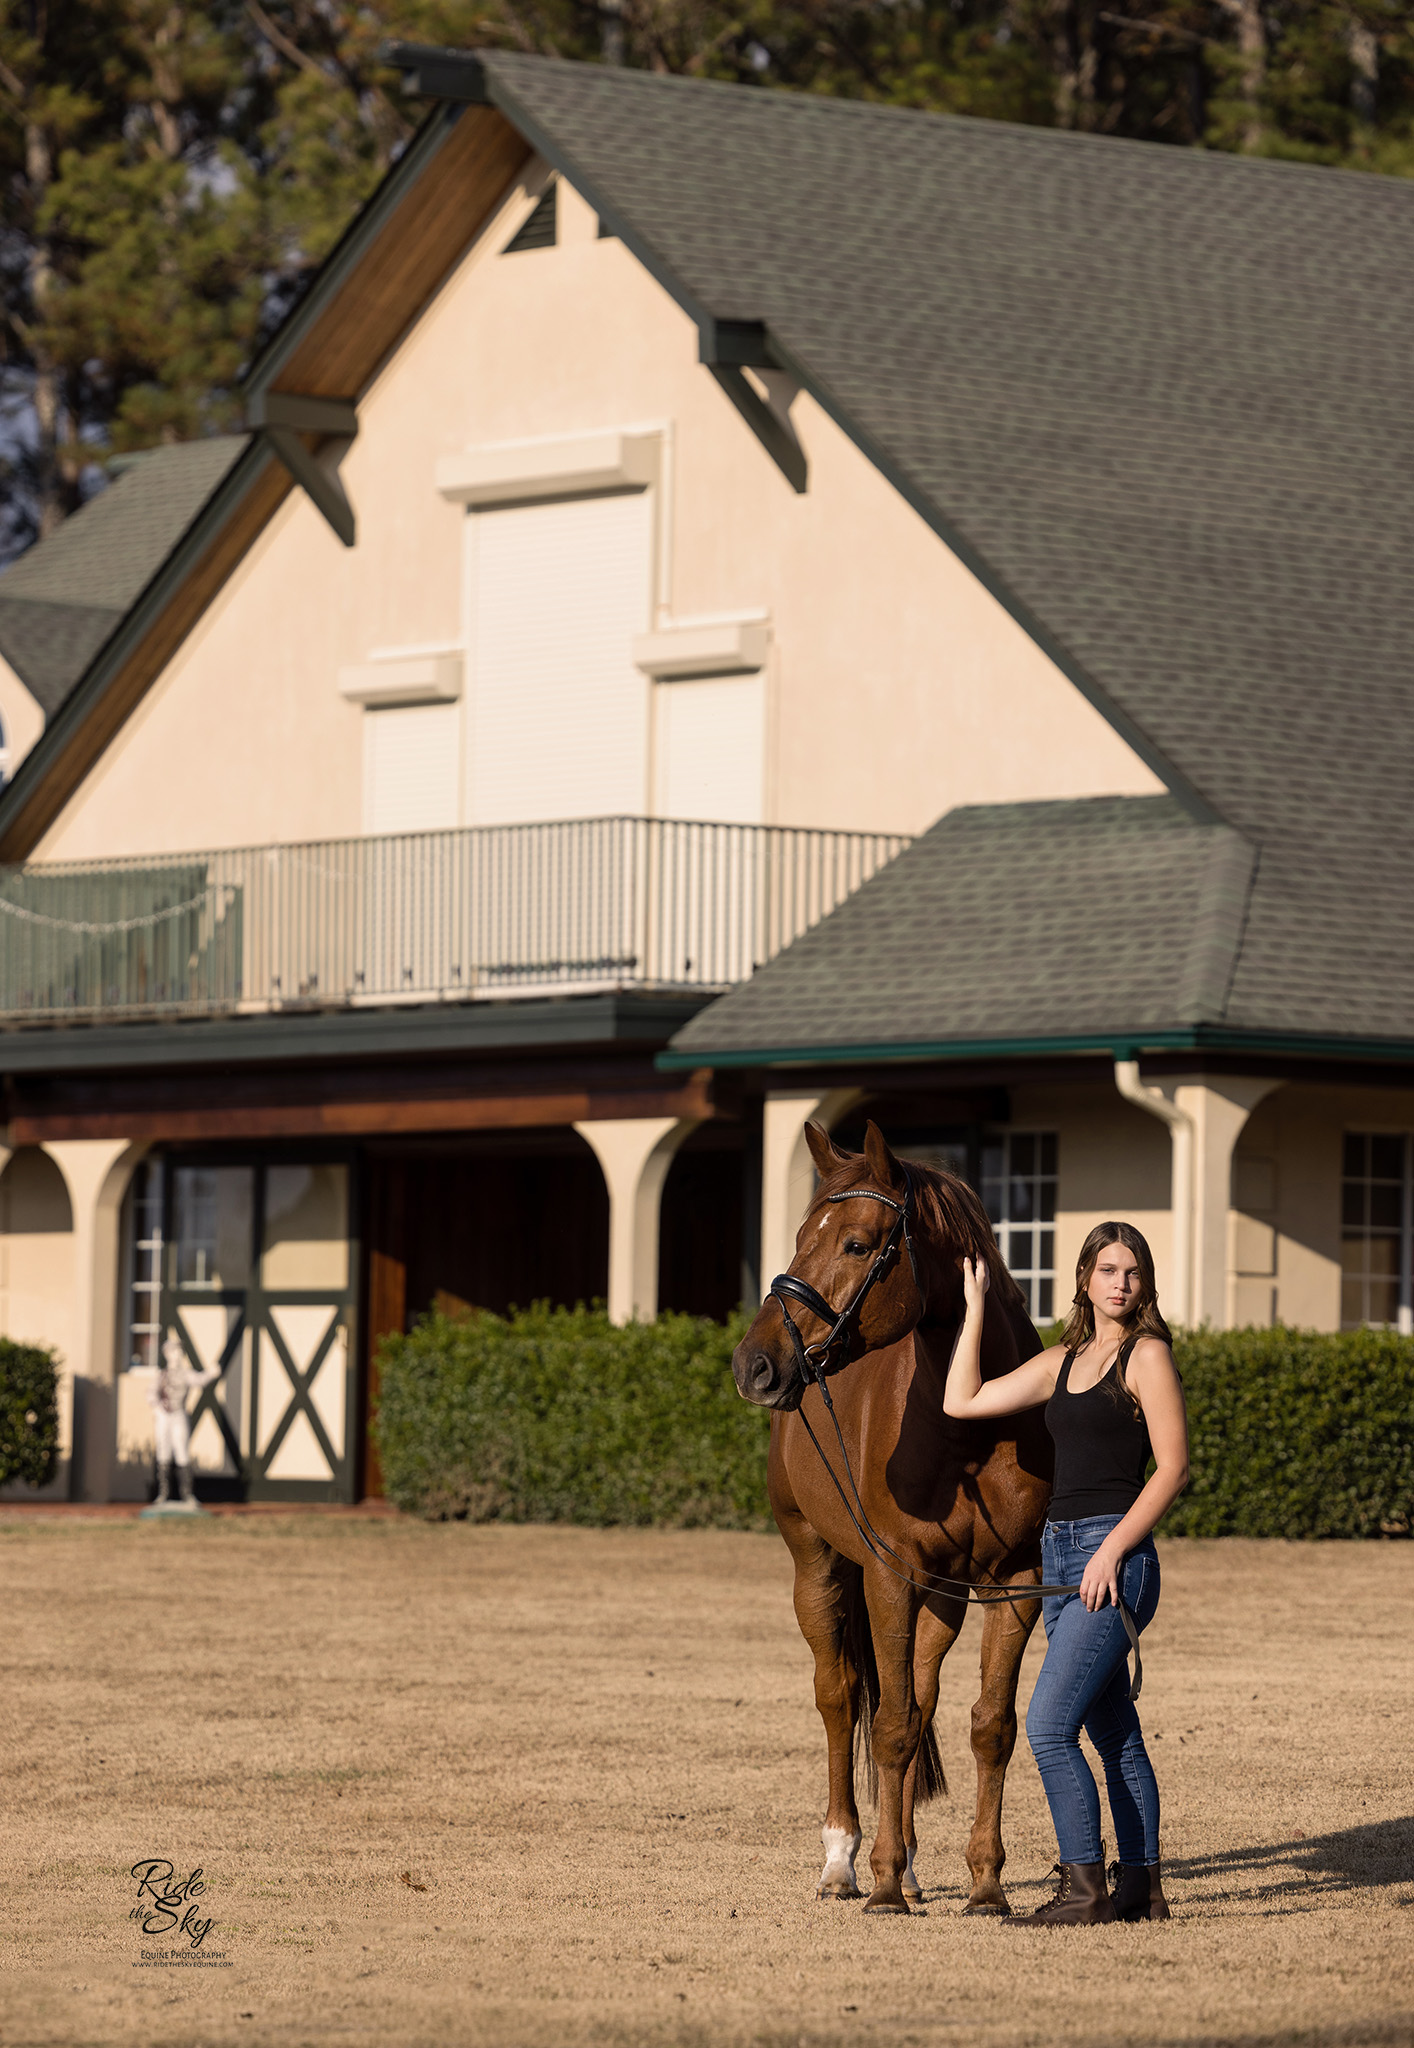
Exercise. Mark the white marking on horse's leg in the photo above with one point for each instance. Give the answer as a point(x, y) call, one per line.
point(912, 1889)
point(837, 1878)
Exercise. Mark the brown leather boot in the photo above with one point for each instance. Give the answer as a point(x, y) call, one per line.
point(1138, 1892)
point(1080, 1901)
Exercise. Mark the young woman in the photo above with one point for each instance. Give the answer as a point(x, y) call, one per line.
point(1113, 1399)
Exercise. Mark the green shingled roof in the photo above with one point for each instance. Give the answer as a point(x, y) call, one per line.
point(63, 597)
point(1160, 399)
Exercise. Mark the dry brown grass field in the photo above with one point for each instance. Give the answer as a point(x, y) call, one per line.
point(531, 1788)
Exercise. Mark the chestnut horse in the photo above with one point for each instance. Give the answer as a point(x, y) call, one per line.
point(954, 1500)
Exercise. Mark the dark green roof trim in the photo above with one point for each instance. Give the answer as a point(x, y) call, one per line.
point(1120, 1045)
point(540, 1024)
point(350, 248)
point(28, 784)
point(480, 80)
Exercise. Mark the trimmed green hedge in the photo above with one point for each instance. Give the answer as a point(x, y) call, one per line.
point(1295, 1433)
point(29, 1413)
point(555, 1415)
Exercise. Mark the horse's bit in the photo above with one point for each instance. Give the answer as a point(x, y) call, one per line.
point(814, 1362)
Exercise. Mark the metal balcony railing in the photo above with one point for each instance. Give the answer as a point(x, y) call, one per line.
point(422, 917)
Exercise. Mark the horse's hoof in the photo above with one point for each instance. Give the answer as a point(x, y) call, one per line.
point(839, 1890)
point(988, 1909)
point(913, 1895)
point(885, 1902)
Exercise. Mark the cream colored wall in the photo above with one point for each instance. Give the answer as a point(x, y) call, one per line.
point(897, 686)
point(37, 1283)
point(1284, 1224)
point(24, 721)
point(1113, 1162)
point(1286, 1189)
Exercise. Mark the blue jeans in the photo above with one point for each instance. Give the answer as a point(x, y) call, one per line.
point(1084, 1683)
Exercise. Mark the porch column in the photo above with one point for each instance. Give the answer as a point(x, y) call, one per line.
point(1218, 1108)
point(634, 1154)
point(96, 1172)
point(787, 1170)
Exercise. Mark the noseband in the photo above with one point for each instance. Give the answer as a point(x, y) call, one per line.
point(817, 1360)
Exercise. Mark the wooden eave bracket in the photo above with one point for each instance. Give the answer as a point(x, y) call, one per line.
point(286, 418)
point(431, 72)
point(730, 348)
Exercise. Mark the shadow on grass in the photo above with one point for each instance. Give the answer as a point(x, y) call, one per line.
point(1366, 1858)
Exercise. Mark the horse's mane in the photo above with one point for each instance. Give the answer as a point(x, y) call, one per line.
point(948, 1211)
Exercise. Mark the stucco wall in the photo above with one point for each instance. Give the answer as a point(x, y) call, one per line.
point(1113, 1161)
point(896, 686)
point(1284, 1222)
point(37, 1283)
point(1286, 1185)
point(23, 719)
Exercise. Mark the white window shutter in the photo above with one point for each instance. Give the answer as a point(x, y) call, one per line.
point(558, 724)
point(410, 768)
point(709, 747)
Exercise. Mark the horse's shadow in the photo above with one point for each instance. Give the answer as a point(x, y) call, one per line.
point(1368, 1858)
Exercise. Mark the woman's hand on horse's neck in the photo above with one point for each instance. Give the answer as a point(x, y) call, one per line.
point(967, 1396)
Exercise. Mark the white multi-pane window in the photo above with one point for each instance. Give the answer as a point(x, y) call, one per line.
point(1019, 1191)
point(1375, 1228)
point(144, 1231)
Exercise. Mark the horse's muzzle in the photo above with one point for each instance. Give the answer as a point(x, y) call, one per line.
point(763, 1380)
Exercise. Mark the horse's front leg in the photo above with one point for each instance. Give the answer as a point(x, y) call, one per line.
point(1005, 1634)
point(938, 1623)
point(829, 1605)
point(898, 1726)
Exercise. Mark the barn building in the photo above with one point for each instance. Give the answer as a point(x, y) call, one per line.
point(728, 607)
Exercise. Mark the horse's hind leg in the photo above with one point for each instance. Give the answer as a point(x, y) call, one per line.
point(1006, 1631)
point(829, 1596)
point(938, 1623)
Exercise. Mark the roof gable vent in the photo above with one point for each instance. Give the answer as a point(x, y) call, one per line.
point(537, 230)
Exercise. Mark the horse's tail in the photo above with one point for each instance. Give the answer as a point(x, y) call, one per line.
point(930, 1780)
point(859, 1648)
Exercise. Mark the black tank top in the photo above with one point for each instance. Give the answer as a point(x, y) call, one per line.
point(1102, 1447)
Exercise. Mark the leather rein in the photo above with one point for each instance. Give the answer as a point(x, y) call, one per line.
point(817, 1361)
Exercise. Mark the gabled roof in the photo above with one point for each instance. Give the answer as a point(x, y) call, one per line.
point(63, 597)
point(1157, 399)
point(1104, 920)
point(368, 293)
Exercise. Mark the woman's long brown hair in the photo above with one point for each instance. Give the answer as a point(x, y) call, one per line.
point(1143, 1320)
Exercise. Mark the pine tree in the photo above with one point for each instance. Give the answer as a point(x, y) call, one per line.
point(173, 173)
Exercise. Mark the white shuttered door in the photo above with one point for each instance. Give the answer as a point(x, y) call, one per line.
point(410, 762)
point(559, 713)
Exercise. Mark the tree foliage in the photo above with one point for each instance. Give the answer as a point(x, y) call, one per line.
point(173, 172)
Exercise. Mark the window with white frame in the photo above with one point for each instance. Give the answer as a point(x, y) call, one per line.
point(1019, 1191)
point(144, 1265)
point(1375, 1230)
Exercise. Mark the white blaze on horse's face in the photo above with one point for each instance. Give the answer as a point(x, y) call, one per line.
point(837, 1878)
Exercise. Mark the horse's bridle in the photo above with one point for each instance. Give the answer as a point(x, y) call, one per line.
point(814, 1361)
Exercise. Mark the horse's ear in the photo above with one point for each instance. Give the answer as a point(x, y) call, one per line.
point(882, 1164)
point(823, 1150)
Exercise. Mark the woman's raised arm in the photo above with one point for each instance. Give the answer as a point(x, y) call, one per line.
point(966, 1396)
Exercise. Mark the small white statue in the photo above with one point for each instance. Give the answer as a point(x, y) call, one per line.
point(167, 1395)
